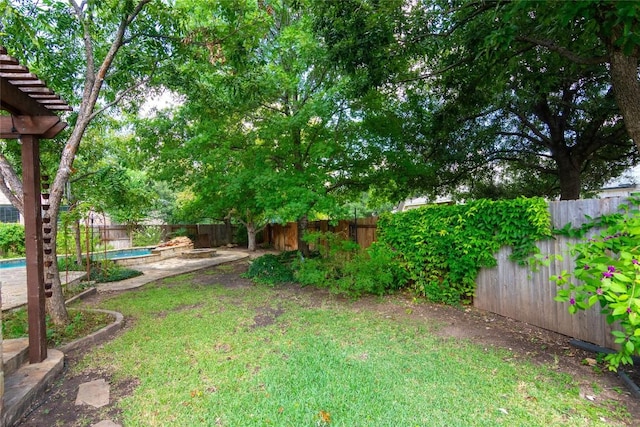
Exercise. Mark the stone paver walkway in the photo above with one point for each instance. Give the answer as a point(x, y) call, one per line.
point(93, 393)
point(13, 282)
point(171, 267)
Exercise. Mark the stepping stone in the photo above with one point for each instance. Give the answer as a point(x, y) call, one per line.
point(94, 393)
point(106, 423)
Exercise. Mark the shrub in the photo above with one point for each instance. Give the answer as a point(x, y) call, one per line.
point(344, 268)
point(147, 236)
point(66, 244)
point(272, 269)
point(608, 273)
point(375, 270)
point(12, 240)
point(326, 266)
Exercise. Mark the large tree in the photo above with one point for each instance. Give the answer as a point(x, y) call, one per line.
point(94, 54)
point(270, 140)
point(492, 92)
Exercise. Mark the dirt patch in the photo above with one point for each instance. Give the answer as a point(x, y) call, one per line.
point(266, 316)
point(58, 407)
point(227, 275)
point(524, 341)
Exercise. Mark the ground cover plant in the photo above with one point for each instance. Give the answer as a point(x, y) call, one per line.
point(82, 323)
point(102, 271)
point(209, 349)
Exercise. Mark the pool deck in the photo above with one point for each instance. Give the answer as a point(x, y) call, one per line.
point(14, 281)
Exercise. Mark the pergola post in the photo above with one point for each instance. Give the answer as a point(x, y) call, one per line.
point(31, 106)
point(33, 247)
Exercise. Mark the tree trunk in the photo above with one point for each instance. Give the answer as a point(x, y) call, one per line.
point(78, 240)
point(624, 79)
point(569, 176)
point(10, 184)
point(228, 230)
point(303, 246)
point(55, 304)
point(251, 236)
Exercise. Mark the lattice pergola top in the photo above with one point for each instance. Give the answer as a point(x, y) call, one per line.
point(31, 94)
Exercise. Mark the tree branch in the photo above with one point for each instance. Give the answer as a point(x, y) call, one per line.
point(572, 56)
point(120, 96)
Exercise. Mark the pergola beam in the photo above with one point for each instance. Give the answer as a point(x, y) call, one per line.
point(14, 126)
point(18, 102)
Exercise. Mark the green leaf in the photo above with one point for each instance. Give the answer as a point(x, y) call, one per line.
point(619, 310)
point(629, 347)
point(622, 277)
point(617, 287)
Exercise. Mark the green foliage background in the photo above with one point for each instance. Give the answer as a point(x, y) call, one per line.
point(444, 246)
point(11, 240)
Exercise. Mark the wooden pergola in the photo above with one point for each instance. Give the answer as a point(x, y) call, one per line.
point(31, 107)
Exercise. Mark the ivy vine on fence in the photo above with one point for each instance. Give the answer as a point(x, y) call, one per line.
point(443, 247)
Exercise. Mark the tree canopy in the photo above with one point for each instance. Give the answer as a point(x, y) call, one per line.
point(95, 54)
point(488, 96)
point(273, 140)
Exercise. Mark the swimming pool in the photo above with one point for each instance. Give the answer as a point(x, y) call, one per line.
point(115, 254)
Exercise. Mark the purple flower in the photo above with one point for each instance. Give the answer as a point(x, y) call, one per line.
point(607, 274)
point(572, 301)
point(559, 277)
point(635, 261)
point(586, 267)
point(611, 268)
point(628, 310)
point(599, 291)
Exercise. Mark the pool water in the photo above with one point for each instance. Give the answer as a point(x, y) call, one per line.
point(117, 254)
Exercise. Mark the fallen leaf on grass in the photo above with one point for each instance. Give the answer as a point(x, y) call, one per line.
point(325, 416)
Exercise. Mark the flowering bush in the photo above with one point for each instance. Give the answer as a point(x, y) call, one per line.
point(608, 272)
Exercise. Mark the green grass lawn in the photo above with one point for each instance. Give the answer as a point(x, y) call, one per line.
point(201, 358)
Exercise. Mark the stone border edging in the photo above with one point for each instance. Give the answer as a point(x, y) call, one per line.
point(98, 335)
point(82, 295)
point(631, 385)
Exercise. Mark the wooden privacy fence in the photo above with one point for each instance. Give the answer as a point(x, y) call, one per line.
point(519, 293)
point(202, 235)
point(285, 237)
point(116, 236)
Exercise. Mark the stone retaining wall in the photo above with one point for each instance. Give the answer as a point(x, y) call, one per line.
point(157, 254)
